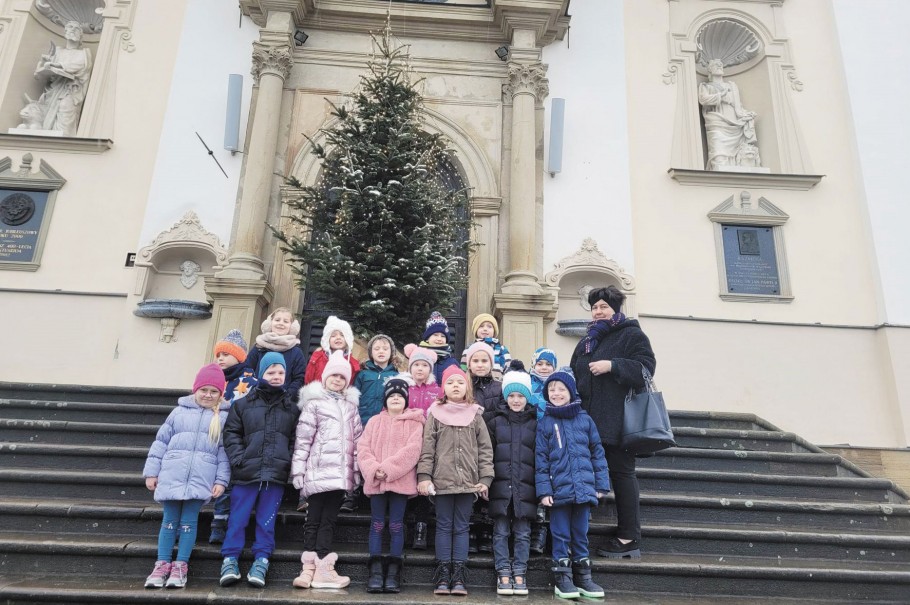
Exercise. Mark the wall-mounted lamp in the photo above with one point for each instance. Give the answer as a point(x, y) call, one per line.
point(232, 113)
point(300, 37)
point(557, 130)
point(503, 53)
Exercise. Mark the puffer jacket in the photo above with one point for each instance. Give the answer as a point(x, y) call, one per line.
point(325, 450)
point(392, 444)
point(537, 394)
point(571, 466)
point(488, 394)
point(258, 435)
point(188, 465)
point(456, 458)
point(422, 396)
point(514, 438)
point(370, 382)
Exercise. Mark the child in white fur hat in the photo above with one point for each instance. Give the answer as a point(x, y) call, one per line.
point(336, 336)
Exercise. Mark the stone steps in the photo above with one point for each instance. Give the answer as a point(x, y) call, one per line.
point(769, 463)
point(68, 432)
point(81, 411)
point(685, 574)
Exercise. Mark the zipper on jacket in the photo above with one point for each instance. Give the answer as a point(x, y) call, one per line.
point(189, 468)
point(558, 437)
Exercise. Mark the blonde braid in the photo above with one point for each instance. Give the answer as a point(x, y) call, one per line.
point(215, 424)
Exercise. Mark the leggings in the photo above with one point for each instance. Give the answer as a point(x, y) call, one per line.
point(182, 515)
point(395, 504)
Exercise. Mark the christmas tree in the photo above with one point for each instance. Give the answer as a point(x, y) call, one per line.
point(388, 241)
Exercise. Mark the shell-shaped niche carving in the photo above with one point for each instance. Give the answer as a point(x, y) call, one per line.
point(85, 12)
point(729, 41)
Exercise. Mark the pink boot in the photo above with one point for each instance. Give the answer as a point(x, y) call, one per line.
point(309, 568)
point(326, 576)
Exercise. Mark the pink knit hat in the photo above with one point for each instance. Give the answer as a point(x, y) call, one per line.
point(479, 347)
point(337, 364)
point(415, 353)
point(453, 371)
point(209, 376)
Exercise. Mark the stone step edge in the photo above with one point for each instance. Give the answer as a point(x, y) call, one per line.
point(78, 426)
point(84, 406)
point(69, 449)
point(733, 568)
point(77, 389)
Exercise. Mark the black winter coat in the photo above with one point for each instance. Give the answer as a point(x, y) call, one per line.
point(604, 396)
point(514, 436)
point(259, 435)
point(488, 394)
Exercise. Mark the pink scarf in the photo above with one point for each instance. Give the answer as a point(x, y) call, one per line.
point(454, 414)
point(274, 342)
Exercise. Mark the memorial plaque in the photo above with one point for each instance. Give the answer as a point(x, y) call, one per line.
point(750, 260)
point(21, 215)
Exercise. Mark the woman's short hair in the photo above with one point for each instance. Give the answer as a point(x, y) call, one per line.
point(610, 295)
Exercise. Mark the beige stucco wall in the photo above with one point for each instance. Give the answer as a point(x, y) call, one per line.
point(96, 222)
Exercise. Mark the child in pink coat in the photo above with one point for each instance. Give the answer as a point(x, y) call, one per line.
point(387, 455)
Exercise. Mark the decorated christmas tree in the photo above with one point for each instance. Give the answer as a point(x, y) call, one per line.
point(386, 240)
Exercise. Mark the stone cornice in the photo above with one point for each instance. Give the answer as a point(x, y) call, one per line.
point(493, 24)
point(757, 180)
point(267, 59)
point(28, 142)
point(526, 79)
point(493, 68)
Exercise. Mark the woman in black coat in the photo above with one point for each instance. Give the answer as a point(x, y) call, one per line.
point(607, 363)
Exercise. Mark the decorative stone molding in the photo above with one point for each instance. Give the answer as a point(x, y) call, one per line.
point(590, 258)
point(731, 42)
point(275, 60)
point(762, 214)
point(758, 180)
point(86, 13)
point(526, 79)
point(29, 142)
point(669, 76)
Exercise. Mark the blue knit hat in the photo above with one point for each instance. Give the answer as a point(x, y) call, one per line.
point(544, 354)
point(563, 377)
point(270, 359)
point(436, 323)
point(516, 380)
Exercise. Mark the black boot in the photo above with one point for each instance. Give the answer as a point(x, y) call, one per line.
point(348, 504)
point(393, 574)
point(484, 540)
point(375, 581)
point(538, 539)
point(581, 577)
point(615, 549)
point(420, 536)
point(219, 527)
point(472, 542)
point(442, 577)
point(459, 579)
point(562, 580)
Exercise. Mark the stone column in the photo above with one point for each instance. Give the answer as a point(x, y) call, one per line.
point(240, 291)
point(523, 304)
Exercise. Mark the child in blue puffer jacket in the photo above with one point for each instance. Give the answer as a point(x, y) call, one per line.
point(186, 467)
point(571, 475)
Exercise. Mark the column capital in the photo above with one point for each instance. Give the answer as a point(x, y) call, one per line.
point(272, 59)
point(526, 79)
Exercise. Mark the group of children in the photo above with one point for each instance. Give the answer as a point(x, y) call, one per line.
point(483, 437)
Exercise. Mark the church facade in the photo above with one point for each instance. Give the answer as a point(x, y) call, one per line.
point(724, 162)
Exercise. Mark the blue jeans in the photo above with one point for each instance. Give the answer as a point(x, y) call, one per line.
point(395, 504)
point(223, 504)
point(453, 515)
point(182, 515)
point(266, 498)
point(569, 528)
point(521, 530)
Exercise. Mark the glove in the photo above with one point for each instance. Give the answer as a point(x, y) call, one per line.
point(298, 482)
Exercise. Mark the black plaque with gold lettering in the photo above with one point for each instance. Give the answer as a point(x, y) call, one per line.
point(21, 213)
point(750, 260)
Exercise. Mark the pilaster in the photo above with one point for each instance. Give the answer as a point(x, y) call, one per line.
point(236, 304)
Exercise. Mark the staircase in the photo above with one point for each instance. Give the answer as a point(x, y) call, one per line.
point(740, 512)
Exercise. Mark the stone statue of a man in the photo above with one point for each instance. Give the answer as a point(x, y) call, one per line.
point(730, 128)
point(67, 73)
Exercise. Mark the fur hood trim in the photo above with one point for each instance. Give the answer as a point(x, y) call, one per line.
point(315, 390)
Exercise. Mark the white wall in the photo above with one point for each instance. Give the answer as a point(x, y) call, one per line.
point(211, 47)
point(590, 197)
point(876, 55)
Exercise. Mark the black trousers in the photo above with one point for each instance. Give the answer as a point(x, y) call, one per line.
point(625, 490)
point(321, 515)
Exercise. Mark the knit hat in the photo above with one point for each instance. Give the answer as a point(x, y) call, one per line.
point(475, 325)
point(415, 353)
point(209, 376)
point(395, 385)
point(266, 325)
point(388, 339)
point(337, 364)
point(516, 380)
point(436, 323)
point(232, 344)
point(479, 347)
point(332, 324)
point(453, 370)
point(269, 359)
point(564, 377)
point(544, 354)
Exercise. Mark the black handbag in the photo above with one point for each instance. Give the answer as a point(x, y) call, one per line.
point(646, 424)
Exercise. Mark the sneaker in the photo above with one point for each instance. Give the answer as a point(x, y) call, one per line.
point(230, 571)
point(348, 505)
point(256, 577)
point(615, 549)
point(218, 531)
point(159, 575)
point(177, 578)
point(520, 588)
point(504, 587)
